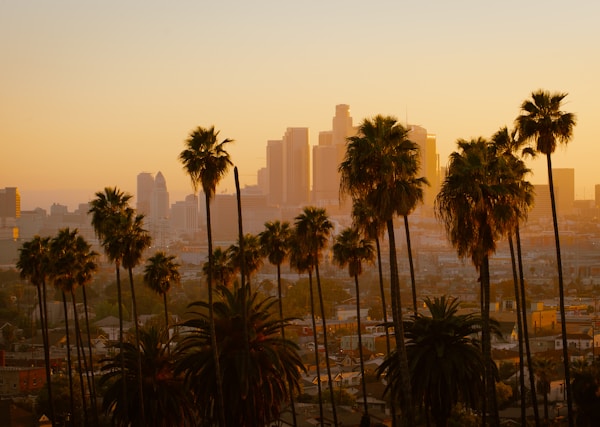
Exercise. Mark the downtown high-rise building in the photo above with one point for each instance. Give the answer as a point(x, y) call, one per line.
point(328, 155)
point(429, 161)
point(288, 168)
point(145, 186)
point(10, 211)
point(564, 186)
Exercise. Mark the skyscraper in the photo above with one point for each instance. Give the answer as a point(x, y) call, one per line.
point(275, 172)
point(429, 161)
point(10, 211)
point(328, 155)
point(145, 186)
point(564, 182)
point(159, 211)
point(296, 167)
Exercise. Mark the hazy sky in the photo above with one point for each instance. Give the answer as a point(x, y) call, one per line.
point(94, 92)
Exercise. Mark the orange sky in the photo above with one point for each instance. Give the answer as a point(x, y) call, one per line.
point(93, 94)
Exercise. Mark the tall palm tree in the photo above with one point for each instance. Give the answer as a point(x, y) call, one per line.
point(351, 250)
point(33, 265)
point(206, 161)
point(511, 147)
point(160, 272)
point(445, 359)
point(313, 229)
point(135, 241)
point(379, 162)
point(167, 401)
point(475, 205)
point(111, 212)
point(275, 242)
point(543, 122)
point(256, 390)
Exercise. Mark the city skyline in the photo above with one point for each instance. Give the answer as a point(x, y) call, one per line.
point(93, 94)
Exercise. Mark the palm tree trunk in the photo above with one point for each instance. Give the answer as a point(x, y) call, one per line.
point(520, 332)
point(536, 412)
point(78, 346)
point(211, 315)
point(325, 344)
point(360, 348)
point(411, 266)
point(399, 328)
point(121, 337)
point(316, 341)
point(137, 346)
point(385, 321)
point(561, 295)
point(69, 368)
point(93, 399)
point(45, 340)
point(166, 313)
point(280, 294)
point(486, 343)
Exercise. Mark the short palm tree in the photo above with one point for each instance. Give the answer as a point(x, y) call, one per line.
point(543, 122)
point(255, 388)
point(351, 250)
point(544, 369)
point(313, 228)
point(71, 263)
point(252, 258)
point(275, 243)
point(168, 403)
point(33, 265)
point(206, 161)
point(160, 273)
point(475, 205)
point(444, 357)
point(222, 270)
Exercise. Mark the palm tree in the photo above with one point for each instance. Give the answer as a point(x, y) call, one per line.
point(352, 250)
point(72, 263)
point(255, 390)
point(167, 401)
point(33, 265)
point(509, 146)
point(160, 272)
point(313, 229)
point(378, 166)
point(544, 123)
point(135, 240)
point(275, 243)
point(475, 204)
point(111, 212)
point(301, 260)
point(221, 267)
point(251, 260)
point(206, 161)
point(444, 357)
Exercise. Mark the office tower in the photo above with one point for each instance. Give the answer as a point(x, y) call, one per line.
point(10, 211)
point(184, 216)
point(597, 195)
point(145, 185)
point(159, 211)
point(10, 203)
point(275, 172)
point(328, 155)
point(542, 208)
point(564, 181)
point(429, 161)
point(296, 167)
point(262, 180)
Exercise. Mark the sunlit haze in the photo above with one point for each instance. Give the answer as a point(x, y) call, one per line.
point(92, 93)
